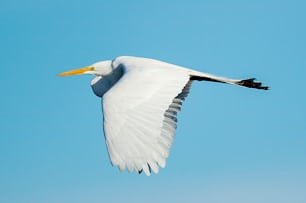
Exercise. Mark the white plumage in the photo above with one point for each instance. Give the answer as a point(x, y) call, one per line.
point(141, 98)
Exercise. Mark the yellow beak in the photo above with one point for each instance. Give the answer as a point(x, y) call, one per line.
point(77, 71)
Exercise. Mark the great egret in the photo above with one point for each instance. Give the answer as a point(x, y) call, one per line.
point(140, 100)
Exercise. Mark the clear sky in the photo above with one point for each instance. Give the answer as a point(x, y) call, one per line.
point(232, 144)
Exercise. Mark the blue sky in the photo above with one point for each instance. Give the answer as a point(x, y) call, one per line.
point(232, 144)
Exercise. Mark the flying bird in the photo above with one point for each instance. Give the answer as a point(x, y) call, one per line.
point(141, 98)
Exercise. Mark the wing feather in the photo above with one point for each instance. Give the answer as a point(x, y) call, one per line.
point(140, 113)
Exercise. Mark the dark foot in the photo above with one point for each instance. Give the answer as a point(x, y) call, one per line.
point(251, 83)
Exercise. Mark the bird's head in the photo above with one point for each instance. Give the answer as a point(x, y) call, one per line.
point(98, 69)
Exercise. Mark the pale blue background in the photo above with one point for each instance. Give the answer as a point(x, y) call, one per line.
point(232, 145)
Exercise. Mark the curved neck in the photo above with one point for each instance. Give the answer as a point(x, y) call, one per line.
point(101, 84)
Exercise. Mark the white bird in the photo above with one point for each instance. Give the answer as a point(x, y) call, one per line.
point(140, 100)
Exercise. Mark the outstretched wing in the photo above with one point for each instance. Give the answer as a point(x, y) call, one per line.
point(140, 113)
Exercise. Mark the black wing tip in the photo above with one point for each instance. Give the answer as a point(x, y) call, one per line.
point(251, 83)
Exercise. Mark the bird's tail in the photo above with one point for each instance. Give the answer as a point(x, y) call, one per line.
point(250, 83)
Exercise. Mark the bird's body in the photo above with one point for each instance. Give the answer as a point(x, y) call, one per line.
point(140, 99)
